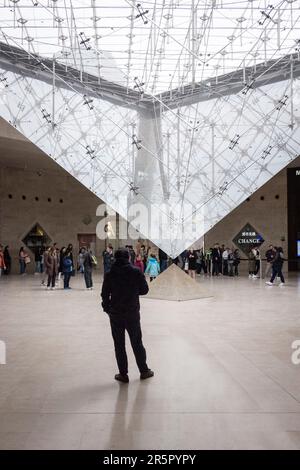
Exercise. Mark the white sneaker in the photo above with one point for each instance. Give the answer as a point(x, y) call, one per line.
point(269, 283)
point(52, 288)
point(282, 284)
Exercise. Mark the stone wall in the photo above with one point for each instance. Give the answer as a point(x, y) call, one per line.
point(265, 210)
point(64, 208)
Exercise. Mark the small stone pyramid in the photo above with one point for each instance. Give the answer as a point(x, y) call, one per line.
point(175, 284)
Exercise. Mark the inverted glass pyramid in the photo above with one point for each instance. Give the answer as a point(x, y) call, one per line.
point(171, 160)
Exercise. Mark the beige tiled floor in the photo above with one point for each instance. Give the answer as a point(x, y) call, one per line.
point(223, 372)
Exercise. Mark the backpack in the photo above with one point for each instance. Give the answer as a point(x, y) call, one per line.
point(67, 262)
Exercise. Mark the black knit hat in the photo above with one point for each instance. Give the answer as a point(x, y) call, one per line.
point(122, 253)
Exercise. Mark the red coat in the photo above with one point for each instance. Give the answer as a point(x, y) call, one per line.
point(140, 265)
point(2, 262)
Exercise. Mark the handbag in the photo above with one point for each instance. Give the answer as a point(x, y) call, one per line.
point(186, 266)
point(94, 260)
point(27, 259)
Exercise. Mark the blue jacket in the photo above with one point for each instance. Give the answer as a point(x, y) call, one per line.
point(152, 267)
point(67, 265)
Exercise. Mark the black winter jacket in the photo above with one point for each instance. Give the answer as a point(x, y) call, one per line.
point(121, 289)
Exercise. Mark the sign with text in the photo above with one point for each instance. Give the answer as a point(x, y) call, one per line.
point(248, 238)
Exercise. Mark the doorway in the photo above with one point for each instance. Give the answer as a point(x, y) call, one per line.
point(87, 240)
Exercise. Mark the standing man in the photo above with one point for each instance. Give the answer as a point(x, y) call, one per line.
point(225, 256)
point(163, 260)
point(108, 258)
point(216, 260)
point(121, 289)
point(88, 267)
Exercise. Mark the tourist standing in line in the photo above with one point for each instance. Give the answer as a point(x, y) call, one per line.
point(152, 268)
point(252, 263)
point(163, 260)
point(200, 262)
point(208, 260)
point(69, 250)
point(230, 261)
point(236, 261)
point(277, 267)
point(257, 262)
point(38, 256)
point(44, 273)
point(51, 267)
point(61, 264)
point(191, 259)
point(108, 258)
point(68, 268)
point(88, 264)
point(80, 260)
point(7, 260)
point(225, 255)
point(24, 259)
point(216, 260)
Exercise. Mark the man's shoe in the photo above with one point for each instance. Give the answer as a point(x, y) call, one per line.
point(122, 378)
point(146, 375)
point(269, 283)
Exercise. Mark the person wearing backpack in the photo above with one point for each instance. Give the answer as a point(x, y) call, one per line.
point(67, 268)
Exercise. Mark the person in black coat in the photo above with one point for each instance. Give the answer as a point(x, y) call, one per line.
point(121, 289)
point(277, 267)
point(163, 260)
point(216, 260)
point(88, 268)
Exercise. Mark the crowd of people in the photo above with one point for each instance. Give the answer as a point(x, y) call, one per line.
point(213, 261)
point(54, 263)
point(142, 258)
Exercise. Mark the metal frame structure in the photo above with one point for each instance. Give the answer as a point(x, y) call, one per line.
point(190, 150)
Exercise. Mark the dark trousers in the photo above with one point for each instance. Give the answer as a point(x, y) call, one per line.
point(163, 265)
point(88, 278)
point(257, 267)
point(51, 280)
point(225, 267)
point(66, 279)
point(277, 271)
point(201, 266)
point(215, 268)
point(22, 266)
point(119, 325)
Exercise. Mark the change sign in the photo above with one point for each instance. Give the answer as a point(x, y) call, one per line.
point(247, 238)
